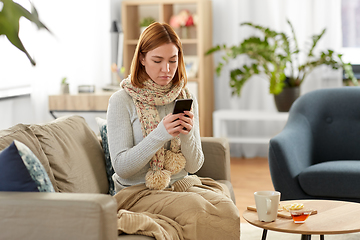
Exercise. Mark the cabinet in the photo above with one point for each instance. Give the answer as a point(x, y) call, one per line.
point(82, 102)
point(197, 42)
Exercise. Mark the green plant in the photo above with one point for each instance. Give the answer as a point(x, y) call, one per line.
point(10, 14)
point(64, 80)
point(147, 21)
point(273, 55)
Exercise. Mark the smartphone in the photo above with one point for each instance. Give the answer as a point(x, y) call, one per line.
point(182, 105)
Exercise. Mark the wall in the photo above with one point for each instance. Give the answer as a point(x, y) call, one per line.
point(15, 110)
point(78, 48)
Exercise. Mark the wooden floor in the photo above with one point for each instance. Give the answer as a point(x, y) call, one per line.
point(249, 175)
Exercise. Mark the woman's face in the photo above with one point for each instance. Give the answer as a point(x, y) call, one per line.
point(161, 63)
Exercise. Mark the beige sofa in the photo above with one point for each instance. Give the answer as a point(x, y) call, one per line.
point(81, 208)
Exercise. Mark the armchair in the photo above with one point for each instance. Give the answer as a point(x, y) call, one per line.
point(317, 154)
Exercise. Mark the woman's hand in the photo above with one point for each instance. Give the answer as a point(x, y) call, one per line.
point(187, 121)
point(175, 123)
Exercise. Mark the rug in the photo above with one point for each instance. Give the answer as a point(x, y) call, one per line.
point(250, 232)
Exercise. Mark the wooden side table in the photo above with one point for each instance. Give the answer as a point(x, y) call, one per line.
point(82, 102)
point(333, 217)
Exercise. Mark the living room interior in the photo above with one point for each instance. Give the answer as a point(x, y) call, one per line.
point(82, 46)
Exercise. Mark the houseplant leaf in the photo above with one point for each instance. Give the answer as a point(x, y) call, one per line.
point(10, 15)
point(272, 54)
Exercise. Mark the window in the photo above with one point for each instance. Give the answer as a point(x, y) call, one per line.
point(350, 24)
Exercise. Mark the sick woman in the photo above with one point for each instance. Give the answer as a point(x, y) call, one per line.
point(155, 154)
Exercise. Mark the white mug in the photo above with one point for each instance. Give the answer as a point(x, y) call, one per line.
point(267, 205)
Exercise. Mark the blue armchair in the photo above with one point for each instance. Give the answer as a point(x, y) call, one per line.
point(317, 154)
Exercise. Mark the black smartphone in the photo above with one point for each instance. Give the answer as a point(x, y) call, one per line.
point(182, 105)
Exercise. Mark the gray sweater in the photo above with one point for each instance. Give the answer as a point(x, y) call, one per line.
point(131, 153)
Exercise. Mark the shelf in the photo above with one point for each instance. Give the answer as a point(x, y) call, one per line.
point(6, 93)
point(199, 41)
point(189, 41)
point(183, 41)
point(97, 101)
point(132, 41)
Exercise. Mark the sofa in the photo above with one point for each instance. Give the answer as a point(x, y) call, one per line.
point(79, 206)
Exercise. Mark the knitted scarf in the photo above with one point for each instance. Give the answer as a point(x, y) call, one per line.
point(165, 162)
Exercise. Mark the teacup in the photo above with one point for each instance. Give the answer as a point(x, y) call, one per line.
point(267, 205)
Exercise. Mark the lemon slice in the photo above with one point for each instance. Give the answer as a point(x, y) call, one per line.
point(293, 206)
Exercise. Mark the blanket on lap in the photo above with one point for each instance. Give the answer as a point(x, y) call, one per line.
point(193, 208)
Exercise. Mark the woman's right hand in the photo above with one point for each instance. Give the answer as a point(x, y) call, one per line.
point(172, 124)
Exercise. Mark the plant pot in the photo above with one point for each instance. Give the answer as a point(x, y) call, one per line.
point(185, 32)
point(285, 99)
point(64, 89)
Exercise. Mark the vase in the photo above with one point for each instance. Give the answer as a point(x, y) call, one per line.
point(64, 88)
point(184, 32)
point(285, 99)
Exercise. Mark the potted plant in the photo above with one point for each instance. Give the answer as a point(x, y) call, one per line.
point(64, 86)
point(10, 13)
point(145, 22)
point(276, 55)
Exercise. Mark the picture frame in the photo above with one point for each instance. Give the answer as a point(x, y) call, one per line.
point(191, 66)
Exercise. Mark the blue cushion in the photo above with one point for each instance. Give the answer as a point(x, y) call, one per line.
point(20, 170)
point(338, 179)
point(102, 123)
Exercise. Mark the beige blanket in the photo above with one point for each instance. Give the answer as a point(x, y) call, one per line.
point(194, 208)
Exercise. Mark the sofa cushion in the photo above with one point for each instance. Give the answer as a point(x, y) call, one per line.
point(23, 134)
point(74, 153)
point(102, 123)
point(14, 175)
point(20, 170)
point(332, 179)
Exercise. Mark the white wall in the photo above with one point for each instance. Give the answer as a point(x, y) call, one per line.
point(15, 110)
point(78, 48)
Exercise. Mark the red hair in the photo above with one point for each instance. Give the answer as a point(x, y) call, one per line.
point(154, 36)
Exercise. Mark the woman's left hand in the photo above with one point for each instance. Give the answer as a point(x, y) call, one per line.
point(187, 122)
point(175, 123)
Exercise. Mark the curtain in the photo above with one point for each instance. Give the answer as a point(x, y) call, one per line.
point(308, 17)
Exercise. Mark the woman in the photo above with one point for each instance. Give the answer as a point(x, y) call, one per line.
point(152, 149)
